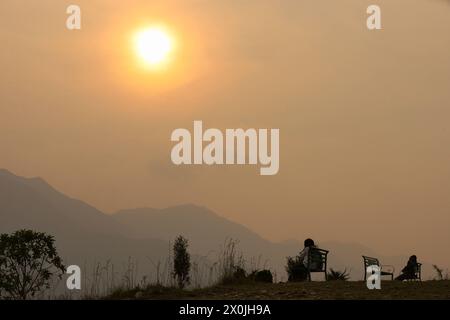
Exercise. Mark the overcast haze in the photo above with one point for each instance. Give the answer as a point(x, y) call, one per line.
point(363, 115)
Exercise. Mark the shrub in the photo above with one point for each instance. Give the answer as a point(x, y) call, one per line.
point(181, 262)
point(338, 275)
point(295, 269)
point(239, 273)
point(238, 276)
point(262, 276)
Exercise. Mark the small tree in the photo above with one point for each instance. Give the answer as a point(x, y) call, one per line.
point(181, 262)
point(28, 261)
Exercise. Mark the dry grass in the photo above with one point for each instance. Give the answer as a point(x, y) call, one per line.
point(306, 290)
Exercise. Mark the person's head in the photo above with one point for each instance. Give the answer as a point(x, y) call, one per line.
point(309, 243)
point(413, 258)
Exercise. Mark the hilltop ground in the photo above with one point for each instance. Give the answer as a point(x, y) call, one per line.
point(305, 290)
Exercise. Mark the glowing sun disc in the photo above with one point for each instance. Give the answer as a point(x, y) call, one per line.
point(153, 46)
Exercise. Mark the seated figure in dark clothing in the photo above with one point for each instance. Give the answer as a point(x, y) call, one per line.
point(298, 266)
point(409, 272)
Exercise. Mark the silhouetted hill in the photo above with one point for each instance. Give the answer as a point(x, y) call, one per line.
point(83, 233)
point(205, 229)
point(32, 203)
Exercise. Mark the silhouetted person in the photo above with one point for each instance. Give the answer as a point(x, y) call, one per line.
point(303, 256)
point(409, 272)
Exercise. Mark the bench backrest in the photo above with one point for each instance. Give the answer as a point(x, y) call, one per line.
point(317, 259)
point(418, 268)
point(370, 261)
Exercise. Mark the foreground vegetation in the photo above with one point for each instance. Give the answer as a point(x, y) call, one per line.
point(29, 263)
point(394, 290)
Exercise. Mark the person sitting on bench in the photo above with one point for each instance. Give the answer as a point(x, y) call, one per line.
point(409, 272)
point(303, 256)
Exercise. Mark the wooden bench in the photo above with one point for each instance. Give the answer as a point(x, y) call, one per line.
point(317, 261)
point(370, 261)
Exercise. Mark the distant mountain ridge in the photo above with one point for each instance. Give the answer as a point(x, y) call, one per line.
point(82, 232)
point(200, 225)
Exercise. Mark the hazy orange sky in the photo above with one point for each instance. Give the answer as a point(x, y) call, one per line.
point(363, 115)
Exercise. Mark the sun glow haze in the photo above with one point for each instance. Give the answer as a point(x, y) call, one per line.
point(154, 46)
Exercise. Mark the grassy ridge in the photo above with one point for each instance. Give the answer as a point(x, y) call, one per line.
point(305, 290)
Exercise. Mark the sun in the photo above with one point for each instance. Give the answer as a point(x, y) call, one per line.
point(154, 46)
